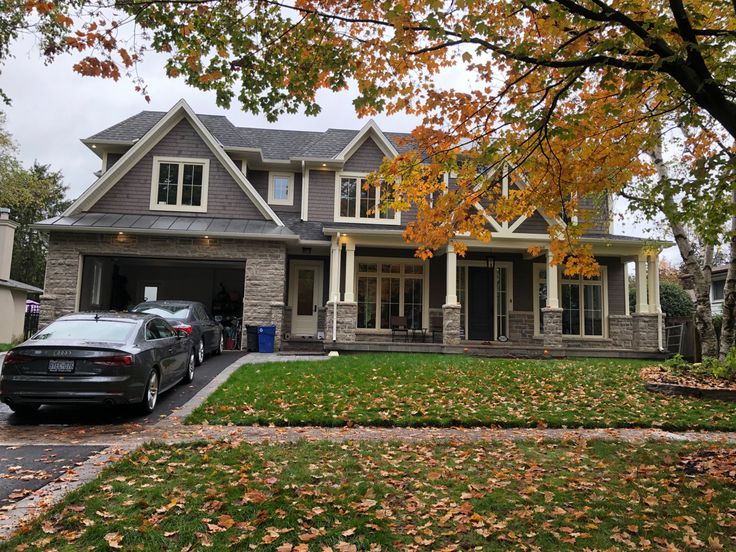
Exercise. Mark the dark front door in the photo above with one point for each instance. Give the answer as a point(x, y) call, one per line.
point(480, 304)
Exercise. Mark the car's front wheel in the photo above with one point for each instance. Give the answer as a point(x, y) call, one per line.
point(150, 397)
point(25, 409)
point(200, 352)
point(189, 374)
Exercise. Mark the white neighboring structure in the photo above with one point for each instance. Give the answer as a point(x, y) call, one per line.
point(717, 283)
point(13, 294)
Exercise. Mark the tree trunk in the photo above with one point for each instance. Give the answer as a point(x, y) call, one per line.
point(701, 277)
point(728, 326)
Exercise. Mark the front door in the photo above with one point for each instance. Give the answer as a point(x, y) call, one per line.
point(480, 304)
point(305, 296)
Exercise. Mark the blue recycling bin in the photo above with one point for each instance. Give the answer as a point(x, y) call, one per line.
point(266, 337)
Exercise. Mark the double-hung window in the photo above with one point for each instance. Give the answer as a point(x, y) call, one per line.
point(281, 189)
point(387, 289)
point(357, 201)
point(582, 301)
point(179, 184)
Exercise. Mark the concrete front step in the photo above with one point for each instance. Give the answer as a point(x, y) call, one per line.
point(302, 346)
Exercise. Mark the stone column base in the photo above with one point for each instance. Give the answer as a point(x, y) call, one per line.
point(451, 324)
point(277, 319)
point(552, 327)
point(645, 331)
point(347, 320)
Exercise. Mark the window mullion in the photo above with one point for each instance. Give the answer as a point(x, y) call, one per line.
point(379, 288)
point(180, 185)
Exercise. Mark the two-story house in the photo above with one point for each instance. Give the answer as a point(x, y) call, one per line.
point(275, 227)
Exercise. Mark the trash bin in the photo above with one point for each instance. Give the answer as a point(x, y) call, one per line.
point(251, 338)
point(266, 337)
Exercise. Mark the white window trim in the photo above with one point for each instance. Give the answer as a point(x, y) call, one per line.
point(155, 206)
point(537, 267)
point(393, 260)
point(373, 220)
point(271, 199)
point(509, 266)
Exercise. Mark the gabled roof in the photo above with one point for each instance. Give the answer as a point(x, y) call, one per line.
point(274, 144)
point(150, 138)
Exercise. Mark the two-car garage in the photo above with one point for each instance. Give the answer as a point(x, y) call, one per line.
point(120, 282)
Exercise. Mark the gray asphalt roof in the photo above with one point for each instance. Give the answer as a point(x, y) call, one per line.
point(20, 286)
point(307, 230)
point(168, 223)
point(274, 143)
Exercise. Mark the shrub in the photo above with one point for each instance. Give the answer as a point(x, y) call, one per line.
point(677, 363)
point(674, 300)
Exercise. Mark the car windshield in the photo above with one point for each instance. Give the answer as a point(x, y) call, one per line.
point(180, 312)
point(115, 331)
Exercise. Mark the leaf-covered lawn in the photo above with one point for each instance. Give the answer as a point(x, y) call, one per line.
point(389, 496)
point(446, 390)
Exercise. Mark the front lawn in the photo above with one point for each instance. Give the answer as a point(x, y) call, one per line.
point(445, 390)
point(343, 497)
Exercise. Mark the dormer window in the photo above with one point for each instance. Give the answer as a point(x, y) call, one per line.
point(179, 184)
point(356, 203)
point(281, 189)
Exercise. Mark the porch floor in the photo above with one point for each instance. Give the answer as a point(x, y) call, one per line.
point(492, 349)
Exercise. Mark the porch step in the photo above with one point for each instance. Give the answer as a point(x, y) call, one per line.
point(302, 346)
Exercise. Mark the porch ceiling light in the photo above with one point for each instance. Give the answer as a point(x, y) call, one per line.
point(120, 233)
point(206, 237)
point(94, 146)
point(323, 164)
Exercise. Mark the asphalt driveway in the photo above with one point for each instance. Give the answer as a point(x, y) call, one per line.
point(27, 468)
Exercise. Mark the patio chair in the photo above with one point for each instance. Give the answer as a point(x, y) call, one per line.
point(436, 329)
point(398, 326)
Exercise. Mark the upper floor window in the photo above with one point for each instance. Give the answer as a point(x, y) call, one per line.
point(355, 201)
point(179, 184)
point(281, 189)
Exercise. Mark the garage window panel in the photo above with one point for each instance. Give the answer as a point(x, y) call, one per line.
point(179, 184)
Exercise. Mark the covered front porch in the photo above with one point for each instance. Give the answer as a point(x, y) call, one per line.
point(496, 300)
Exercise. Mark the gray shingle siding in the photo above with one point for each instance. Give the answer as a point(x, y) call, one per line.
point(367, 158)
point(112, 158)
point(321, 196)
point(616, 285)
point(132, 193)
point(533, 225)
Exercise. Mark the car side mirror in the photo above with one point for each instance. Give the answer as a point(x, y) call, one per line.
point(181, 334)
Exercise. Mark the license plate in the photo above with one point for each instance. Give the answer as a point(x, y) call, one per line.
point(61, 366)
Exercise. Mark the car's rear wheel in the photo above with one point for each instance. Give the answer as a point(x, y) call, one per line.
point(220, 344)
point(200, 352)
point(25, 409)
point(150, 397)
point(189, 374)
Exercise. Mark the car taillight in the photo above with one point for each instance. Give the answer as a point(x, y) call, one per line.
point(116, 360)
point(16, 358)
point(185, 327)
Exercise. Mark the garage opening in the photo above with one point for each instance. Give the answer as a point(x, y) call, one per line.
point(120, 283)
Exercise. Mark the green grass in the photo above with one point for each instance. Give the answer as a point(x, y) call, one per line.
point(390, 496)
point(445, 390)
point(5, 347)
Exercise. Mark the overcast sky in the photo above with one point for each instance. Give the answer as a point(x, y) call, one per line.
point(53, 108)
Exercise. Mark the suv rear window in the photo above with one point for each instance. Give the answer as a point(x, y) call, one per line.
point(116, 331)
point(178, 312)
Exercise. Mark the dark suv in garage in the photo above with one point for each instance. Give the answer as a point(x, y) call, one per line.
point(191, 317)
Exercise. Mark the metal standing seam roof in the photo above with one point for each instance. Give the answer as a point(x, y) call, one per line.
point(168, 224)
point(274, 143)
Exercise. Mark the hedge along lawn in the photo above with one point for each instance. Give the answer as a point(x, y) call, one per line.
point(343, 497)
point(449, 390)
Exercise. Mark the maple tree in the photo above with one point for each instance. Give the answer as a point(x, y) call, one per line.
point(564, 95)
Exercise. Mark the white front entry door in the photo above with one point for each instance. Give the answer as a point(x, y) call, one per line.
point(305, 296)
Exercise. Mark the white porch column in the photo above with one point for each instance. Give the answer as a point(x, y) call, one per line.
point(553, 301)
point(451, 293)
point(350, 272)
point(335, 270)
point(642, 303)
point(653, 283)
point(626, 287)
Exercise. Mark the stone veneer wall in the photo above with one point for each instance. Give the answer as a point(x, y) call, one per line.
point(321, 320)
point(347, 318)
point(521, 326)
point(451, 324)
point(620, 330)
point(265, 268)
point(552, 323)
point(645, 330)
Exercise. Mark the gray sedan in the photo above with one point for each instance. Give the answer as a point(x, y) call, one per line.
point(97, 358)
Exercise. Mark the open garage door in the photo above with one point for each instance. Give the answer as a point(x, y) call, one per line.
point(119, 283)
